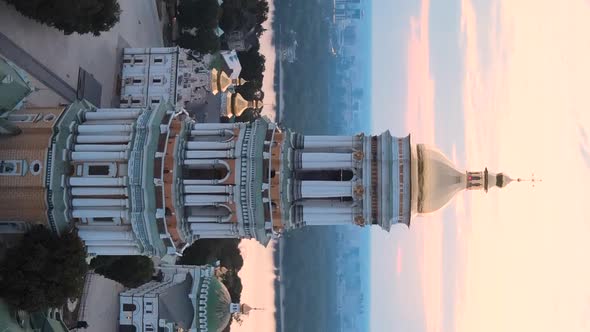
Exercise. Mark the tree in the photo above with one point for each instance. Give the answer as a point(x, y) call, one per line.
point(200, 14)
point(131, 271)
point(249, 115)
point(261, 11)
point(232, 281)
point(208, 251)
point(203, 41)
point(253, 64)
point(231, 19)
point(44, 270)
point(251, 90)
point(69, 16)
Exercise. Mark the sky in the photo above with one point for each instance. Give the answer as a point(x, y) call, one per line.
point(499, 84)
point(257, 274)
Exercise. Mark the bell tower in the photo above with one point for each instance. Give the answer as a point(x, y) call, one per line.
point(477, 180)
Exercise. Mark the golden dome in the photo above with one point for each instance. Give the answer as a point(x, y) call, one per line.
point(437, 180)
point(239, 104)
point(220, 82)
point(214, 81)
point(228, 105)
point(224, 82)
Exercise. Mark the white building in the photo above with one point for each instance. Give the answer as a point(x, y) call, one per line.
point(188, 298)
point(150, 76)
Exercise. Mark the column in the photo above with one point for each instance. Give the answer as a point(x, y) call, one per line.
point(315, 216)
point(99, 213)
point(104, 128)
point(199, 163)
point(327, 206)
point(196, 200)
point(329, 142)
point(99, 156)
point(212, 227)
point(97, 181)
point(325, 189)
point(199, 182)
point(214, 126)
point(207, 219)
point(109, 243)
point(113, 250)
point(89, 191)
point(208, 154)
point(100, 147)
point(103, 138)
point(326, 161)
point(77, 202)
point(91, 234)
point(204, 189)
point(114, 110)
point(110, 122)
point(209, 145)
point(218, 132)
point(111, 115)
point(213, 236)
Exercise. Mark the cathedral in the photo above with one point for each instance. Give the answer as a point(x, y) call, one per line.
point(151, 180)
point(186, 298)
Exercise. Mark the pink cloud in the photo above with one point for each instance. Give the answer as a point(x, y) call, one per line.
point(258, 278)
point(420, 98)
point(420, 119)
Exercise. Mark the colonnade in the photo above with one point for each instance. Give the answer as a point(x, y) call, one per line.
point(108, 239)
point(207, 197)
point(100, 151)
point(328, 202)
point(328, 212)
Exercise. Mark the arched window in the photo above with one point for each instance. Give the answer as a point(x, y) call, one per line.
point(130, 307)
point(127, 328)
point(217, 171)
point(220, 211)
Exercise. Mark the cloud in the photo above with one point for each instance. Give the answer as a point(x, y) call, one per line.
point(258, 278)
point(584, 145)
point(420, 93)
point(420, 121)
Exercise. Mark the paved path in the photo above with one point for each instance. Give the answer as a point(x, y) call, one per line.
point(98, 55)
point(29, 64)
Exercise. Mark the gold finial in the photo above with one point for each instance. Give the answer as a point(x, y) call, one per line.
point(359, 221)
point(246, 309)
point(533, 180)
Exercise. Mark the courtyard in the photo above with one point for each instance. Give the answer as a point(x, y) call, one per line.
point(40, 47)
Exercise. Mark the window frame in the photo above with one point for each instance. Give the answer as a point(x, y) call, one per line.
point(19, 167)
point(112, 169)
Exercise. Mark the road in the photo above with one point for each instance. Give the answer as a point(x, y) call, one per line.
point(25, 61)
point(139, 26)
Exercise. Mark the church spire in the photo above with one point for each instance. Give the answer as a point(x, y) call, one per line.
point(242, 309)
point(486, 180)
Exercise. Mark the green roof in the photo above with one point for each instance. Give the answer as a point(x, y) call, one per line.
point(38, 321)
point(218, 302)
point(14, 87)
